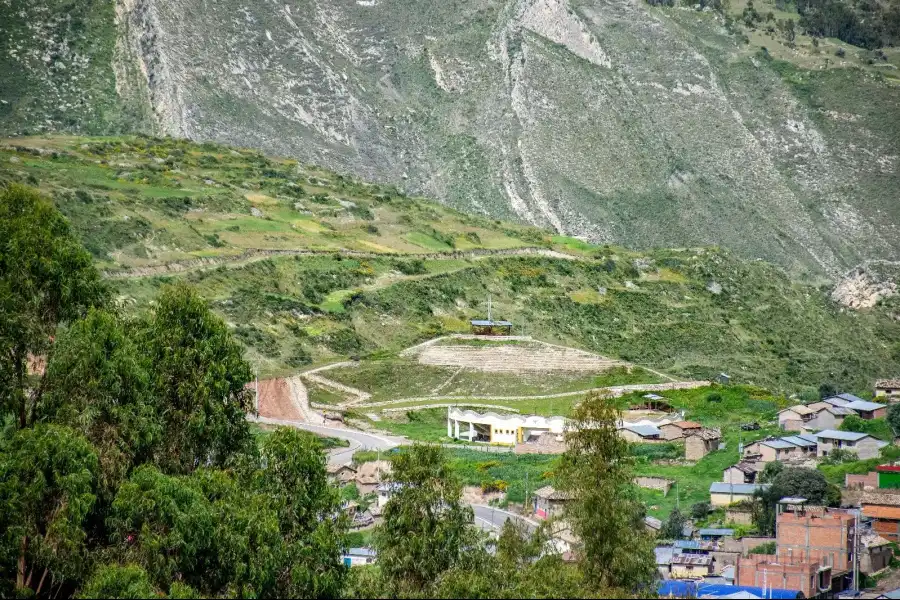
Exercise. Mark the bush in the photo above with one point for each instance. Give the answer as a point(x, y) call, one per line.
point(714, 397)
point(700, 510)
point(766, 548)
point(496, 485)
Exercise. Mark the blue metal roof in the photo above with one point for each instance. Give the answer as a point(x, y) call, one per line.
point(863, 405)
point(781, 444)
point(643, 430)
point(719, 487)
point(690, 589)
point(714, 531)
point(849, 397)
point(361, 552)
point(809, 437)
point(846, 436)
point(800, 441)
point(486, 323)
point(686, 544)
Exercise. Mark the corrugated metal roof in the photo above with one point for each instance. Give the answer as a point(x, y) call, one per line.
point(689, 589)
point(486, 323)
point(810, 437)
point(719, 487)
point(799, 441)
point(716, 531)
point(849, 397)
point(692, 559)
point(846, 436)
point(864, 406)
point(781, 444)
point(835, 401)
point(644, 430)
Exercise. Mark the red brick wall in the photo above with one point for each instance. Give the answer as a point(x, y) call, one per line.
point(816, 535)
point(861, 481)
point(769, 570)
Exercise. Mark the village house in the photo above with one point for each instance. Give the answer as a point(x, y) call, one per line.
point(868, 410)
point(876, 553)
point(742, 472)
point(888, 389)
point(690, 566)
point(679, 429)
point(883, 507)
point(370, 474)
point(794, 447)
point(723, 494)
point(549, 502)
point(640, 433)
point(862, 444)
point(827, 416)
point(385, 492)
point(795, 418)
point(699, 444)
point(341, 474)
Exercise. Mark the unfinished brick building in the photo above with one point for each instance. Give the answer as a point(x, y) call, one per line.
point(771, 571)
point(813, 550)
point(816, 533)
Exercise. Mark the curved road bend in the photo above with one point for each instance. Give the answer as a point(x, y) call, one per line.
point(487, 517)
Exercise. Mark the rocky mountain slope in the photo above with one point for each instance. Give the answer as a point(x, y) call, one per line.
point(605, 119)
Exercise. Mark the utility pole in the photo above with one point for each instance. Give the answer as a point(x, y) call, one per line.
point(526, 491)
point(489, 308)
point(856, 554)
point(256, 400)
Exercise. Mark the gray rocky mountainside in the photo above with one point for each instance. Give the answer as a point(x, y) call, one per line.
point(606, 119)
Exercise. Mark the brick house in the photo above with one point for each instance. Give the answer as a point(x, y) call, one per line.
point(341, 474)
point(868, 410)
point(769, 571)
point(699, 444)
point(863, 444)
point(679, 429)
point(794, 447)
point(884, 508)
point(818, 534)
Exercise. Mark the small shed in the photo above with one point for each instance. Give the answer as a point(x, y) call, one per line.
point(491, 327)
point(357, 557)
point(548, 501)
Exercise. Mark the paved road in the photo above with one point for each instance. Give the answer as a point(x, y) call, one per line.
point(359, 440)
point(491, 518)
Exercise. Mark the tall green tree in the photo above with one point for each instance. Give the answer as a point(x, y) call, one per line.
point(46, 278)
point(198, 375)
point(893, 418)
point(426, 530)
point(673, 527)
point(115, 581)
point(98, 384)
point(606, 512)
point(294, 481)
point(47, 476)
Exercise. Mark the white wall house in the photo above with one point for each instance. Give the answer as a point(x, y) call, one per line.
point(494, 428)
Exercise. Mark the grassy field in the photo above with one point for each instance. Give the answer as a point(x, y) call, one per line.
point(394, 378)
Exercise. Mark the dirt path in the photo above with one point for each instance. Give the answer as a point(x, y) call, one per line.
point(300, 400)
point(357, 396)
point(615, 390)
point(256, 254)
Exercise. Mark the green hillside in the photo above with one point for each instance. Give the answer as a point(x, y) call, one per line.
point(309, 267)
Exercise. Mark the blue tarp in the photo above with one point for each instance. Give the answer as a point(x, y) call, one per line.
point(690, 589)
